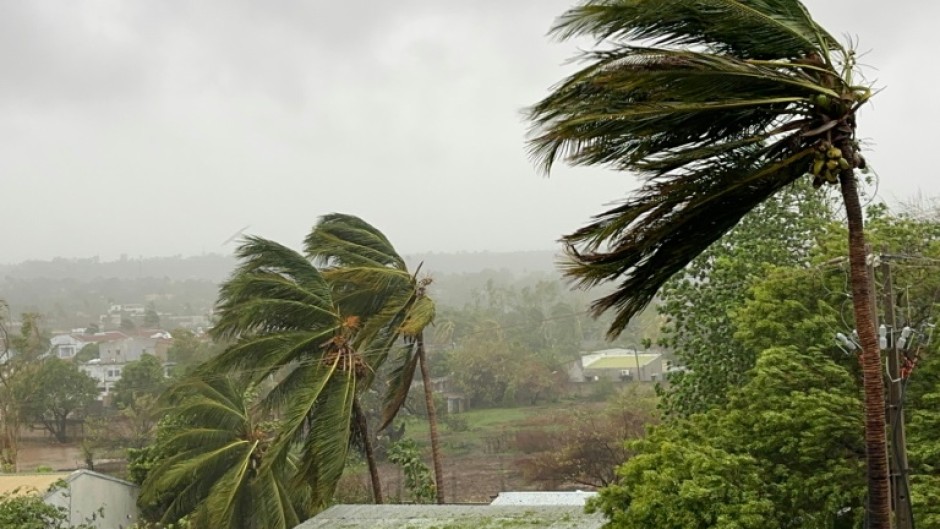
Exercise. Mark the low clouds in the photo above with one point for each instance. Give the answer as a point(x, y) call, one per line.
point(156, 128)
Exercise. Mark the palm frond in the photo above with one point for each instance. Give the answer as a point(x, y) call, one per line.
point(662, 228)
point(264, 355)
point(230, 490)
point(326, 445)
point(420, 316)
point(341, 240)
point(399, 383)
point(635, 103)
point(753, 29)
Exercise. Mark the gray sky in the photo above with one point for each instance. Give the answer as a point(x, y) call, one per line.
point(160, 128)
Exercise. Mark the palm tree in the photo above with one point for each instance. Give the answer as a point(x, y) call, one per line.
point(213, 473)
point(372, 279)
point(718, 104)
point(279, 313)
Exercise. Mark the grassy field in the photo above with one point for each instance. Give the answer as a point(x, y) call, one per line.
point(482, 449)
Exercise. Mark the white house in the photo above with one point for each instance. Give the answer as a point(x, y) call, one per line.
point(67, 345)
point(131, 348)
point(105, 373)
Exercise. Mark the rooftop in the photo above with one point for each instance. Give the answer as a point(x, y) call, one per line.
point(577, 497)
point(626, 361)
point(454, 517)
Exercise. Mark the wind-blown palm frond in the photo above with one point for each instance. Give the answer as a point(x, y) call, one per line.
point(340, 240)
point(754, 29)
point(370, 278)
point(714, 129)
point(279, 313)
point(214, 471)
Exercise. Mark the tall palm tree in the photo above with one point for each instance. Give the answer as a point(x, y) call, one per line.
point(214, 474)
point(279, 313)
point(718, 104)
point(371, 278)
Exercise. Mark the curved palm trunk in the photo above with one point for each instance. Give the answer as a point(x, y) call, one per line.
point(879, 507)
point(432, 420)
point(363, 426)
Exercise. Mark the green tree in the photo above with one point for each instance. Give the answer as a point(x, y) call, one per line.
point(492, 371)
point(88, 352)
point(700, 300)
point(719, 105)
point(785, 452)
point(209, 467)
point(284, 325)
point(139, 378)
point(925, 460)
point(151, 317)
point(374, 282)
point(58, 391)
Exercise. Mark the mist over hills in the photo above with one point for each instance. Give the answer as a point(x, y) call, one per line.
point(74, 292)
point(216, 267)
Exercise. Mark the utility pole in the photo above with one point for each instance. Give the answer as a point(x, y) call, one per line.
point(897, 463)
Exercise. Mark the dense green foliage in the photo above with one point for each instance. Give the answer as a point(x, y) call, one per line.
point(700, 302)
point(784, 452)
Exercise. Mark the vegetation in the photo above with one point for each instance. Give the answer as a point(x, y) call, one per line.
point(418, 479)
point(139, 378)
point(58, 391)
point(789, 441)
point(25, 509)
point(210, 470)
point(375, 283)
point(719, 106)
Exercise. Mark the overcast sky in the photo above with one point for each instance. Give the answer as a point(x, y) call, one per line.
point(161, 128)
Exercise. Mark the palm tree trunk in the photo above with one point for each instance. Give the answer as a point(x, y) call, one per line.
point(432, 420)
point(879, 507)
point(363, 426)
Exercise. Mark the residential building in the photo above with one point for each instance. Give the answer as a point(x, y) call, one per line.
point(67, 345)
point(619, 365)
point(136, 344)
point(105, 373)
point(456, 401)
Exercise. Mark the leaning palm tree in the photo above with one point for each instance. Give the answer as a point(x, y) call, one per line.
point(279, 314)
point(213, 474)
point(371, 278)
point(718, 104)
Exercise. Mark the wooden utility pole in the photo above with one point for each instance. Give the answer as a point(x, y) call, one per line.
point(897, 462)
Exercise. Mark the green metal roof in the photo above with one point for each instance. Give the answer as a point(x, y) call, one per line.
point(621, 362)
point(454, 517)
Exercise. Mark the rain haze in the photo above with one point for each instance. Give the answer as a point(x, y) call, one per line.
point(163, 128)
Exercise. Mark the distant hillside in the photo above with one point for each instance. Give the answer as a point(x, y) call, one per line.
point(73, 292)
point(216, 267)
point(211, 267)
point(471, 262)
